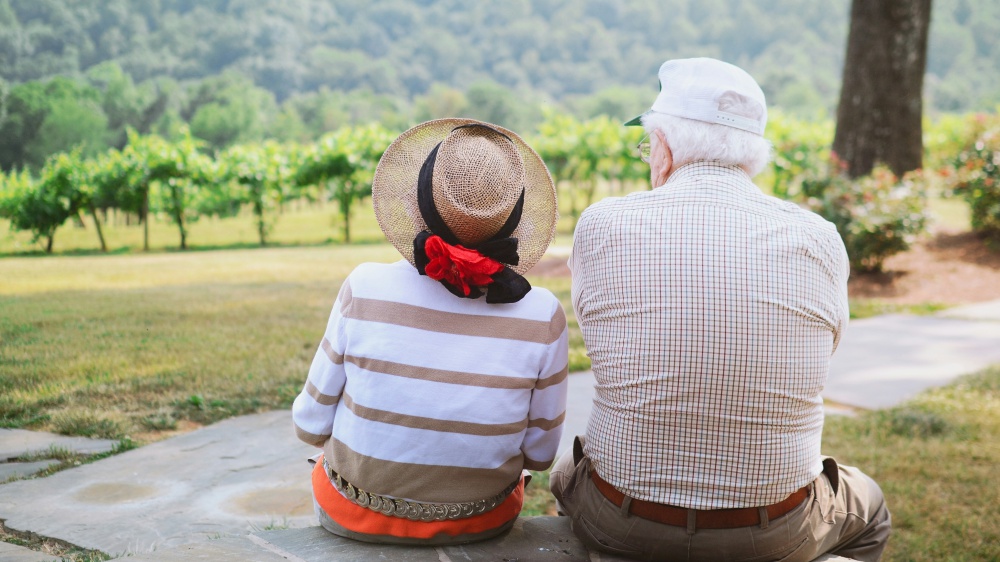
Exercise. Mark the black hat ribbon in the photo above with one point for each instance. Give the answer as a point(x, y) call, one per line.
point(467, 272)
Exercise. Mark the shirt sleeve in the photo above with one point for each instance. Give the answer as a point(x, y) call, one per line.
point(316, 406)
point(547, 410)
point(843, 309)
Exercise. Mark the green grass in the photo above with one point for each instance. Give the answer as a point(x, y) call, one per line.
point(935, 458)
point(50, 547)
point(67, 458)
point(122, 345)
point(866, 308)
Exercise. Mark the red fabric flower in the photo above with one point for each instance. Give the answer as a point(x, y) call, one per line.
point(458, 266)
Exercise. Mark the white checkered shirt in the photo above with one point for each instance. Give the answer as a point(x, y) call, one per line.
point(710, 312)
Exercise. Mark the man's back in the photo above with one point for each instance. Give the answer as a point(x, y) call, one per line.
point(710, 313)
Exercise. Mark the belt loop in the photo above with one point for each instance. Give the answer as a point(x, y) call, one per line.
point(626, 504)
point(765, 521)
point(692, 518)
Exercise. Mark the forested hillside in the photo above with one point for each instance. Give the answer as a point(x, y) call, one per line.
point(243, 70)
point(556, 47)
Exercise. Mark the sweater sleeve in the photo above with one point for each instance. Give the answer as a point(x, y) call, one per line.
point(547, 410)
point(316, 406)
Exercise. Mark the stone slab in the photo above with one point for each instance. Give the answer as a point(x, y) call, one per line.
point(14, 553)
point(10, 470)
point(537, 539)
point(534, 539)
point(19, 442)
point(230, 478)
point(884, 361)
point(229, 548)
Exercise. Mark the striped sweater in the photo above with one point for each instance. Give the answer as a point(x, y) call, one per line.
point(417, 394)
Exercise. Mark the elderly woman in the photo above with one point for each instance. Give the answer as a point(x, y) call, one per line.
point(441, 377)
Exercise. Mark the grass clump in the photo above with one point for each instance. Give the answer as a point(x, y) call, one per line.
point(867, 308)
point(51, 547)
point(88, 424)
point(67, 458)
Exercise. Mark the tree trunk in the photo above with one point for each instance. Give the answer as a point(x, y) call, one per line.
point(145, 219)
point(345, 213)
point(177, 212)
point(258, 210)
point(97, 226)
point(881, 99)
point(51, 240)
point(571, 190)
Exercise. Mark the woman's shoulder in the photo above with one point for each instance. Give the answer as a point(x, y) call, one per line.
point(401, 282)
point(372, 272)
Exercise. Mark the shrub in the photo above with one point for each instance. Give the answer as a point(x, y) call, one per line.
point(799, 148)
point(977, 180)
point(877, 215)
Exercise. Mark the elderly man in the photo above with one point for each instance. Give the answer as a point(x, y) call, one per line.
point(710, 312)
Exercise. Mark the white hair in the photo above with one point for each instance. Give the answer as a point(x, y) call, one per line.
point(691, 141)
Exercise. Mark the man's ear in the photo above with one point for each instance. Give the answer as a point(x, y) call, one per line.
point(663, 164)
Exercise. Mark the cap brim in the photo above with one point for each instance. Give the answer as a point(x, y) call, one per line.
point(635, 122)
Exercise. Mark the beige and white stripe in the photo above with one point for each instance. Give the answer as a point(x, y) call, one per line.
point(417, 394)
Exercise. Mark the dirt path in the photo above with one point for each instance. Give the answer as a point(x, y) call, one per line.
point(949, 268)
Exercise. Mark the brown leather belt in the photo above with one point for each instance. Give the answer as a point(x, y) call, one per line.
point(704, 518)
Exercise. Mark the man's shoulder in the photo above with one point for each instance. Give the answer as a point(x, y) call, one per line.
point(614, 206)
point(604, 205)
point(809, 220)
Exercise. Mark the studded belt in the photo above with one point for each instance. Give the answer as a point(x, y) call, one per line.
point(415, 511)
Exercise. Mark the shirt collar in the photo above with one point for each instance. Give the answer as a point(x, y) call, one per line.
point(706, 168)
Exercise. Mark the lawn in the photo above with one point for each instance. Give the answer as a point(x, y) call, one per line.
point(936, 459)
point(142, 345)
point(135, 344)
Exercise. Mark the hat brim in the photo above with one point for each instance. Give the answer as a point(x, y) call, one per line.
point(394, 191)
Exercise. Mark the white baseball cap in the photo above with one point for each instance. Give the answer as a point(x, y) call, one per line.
point(692, 88)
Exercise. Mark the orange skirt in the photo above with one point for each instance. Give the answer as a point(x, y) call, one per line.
point(359, 519)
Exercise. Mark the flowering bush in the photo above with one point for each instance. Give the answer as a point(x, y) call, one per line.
point(977, 179)
point(877, 215)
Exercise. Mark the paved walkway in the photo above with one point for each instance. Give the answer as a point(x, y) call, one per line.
point(226, 490)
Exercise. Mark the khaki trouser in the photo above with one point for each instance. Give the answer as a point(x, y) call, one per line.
point(845, 514)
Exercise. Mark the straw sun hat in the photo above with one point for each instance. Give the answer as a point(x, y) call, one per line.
point(465, 191)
